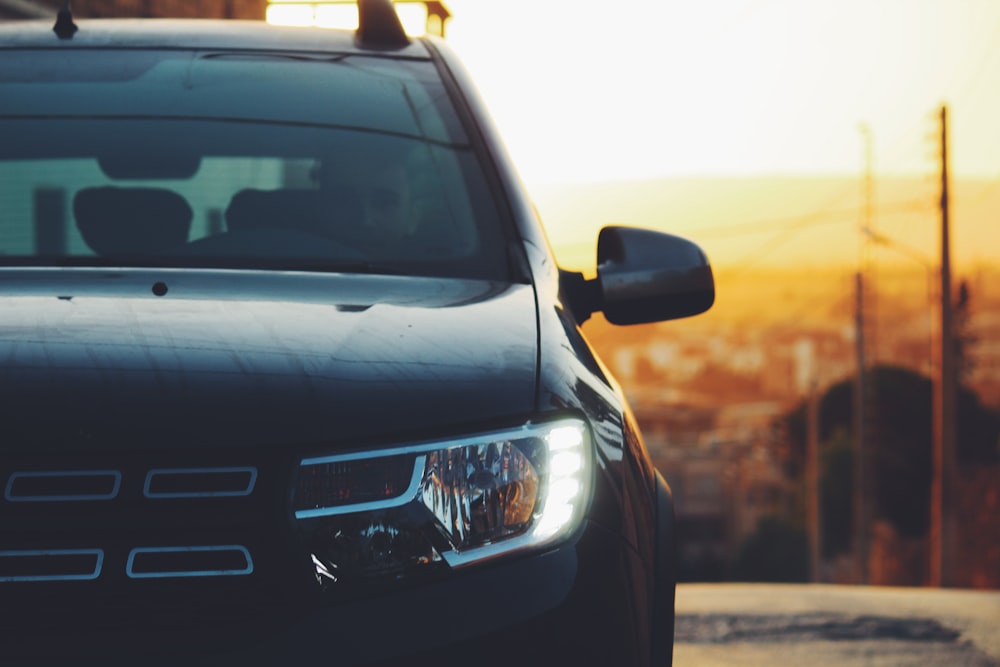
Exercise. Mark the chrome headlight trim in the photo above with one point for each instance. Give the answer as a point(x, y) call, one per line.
point(406, 497)
point(565, 474)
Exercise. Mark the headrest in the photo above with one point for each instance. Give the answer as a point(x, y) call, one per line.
point(131, 221)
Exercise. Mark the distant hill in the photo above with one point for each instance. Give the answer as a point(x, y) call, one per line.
point(779, 221)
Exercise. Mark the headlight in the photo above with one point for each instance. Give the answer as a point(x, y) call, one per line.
point(394, 512)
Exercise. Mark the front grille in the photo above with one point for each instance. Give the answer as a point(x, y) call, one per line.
point(191, 544)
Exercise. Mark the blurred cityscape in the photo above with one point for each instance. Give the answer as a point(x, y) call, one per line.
point(722, 399)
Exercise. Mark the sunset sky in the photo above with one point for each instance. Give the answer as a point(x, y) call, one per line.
point(615, 91)
point(597, 91)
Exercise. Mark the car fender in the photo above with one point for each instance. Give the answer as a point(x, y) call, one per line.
point(665, 577)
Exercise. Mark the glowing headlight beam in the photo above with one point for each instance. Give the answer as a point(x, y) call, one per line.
point(489, 495)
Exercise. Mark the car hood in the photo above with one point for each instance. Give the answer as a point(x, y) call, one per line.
point(95, 358)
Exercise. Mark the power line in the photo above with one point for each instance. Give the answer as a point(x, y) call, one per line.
point(816, 218)
point(789, 233)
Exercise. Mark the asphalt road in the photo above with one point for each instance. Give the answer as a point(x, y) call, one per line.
point(824, 625)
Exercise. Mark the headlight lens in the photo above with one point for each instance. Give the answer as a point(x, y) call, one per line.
point(396, 511)
point(480, 493)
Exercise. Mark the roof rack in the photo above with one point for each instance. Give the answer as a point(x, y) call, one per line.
point(437, 16)
point(64, 27)
point(379, 27)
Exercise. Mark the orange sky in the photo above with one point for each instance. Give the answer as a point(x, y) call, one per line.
point(755, 222)
point(620, 91)
point(599, 91)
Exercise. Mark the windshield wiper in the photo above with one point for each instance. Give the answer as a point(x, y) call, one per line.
point(359, 266)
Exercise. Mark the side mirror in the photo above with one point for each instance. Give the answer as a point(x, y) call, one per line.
point(643, 276)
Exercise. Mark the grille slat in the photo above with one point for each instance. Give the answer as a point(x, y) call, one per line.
point(51, 565)
point(200, 482)
point(62, 486)
point(193, 561)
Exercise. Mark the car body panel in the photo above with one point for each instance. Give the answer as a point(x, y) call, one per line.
point(304, 359)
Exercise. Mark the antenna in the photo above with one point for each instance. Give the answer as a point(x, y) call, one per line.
point(64, 27)
point(379, 26)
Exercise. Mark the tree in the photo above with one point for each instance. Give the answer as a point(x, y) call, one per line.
point(836, 499)
point(963, 336)
point(776, 551)
point(899, 445)
point(899, 449)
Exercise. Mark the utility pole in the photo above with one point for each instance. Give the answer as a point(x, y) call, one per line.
point(866, 255)
point(812, 484)
point(860, 482)
point(942, 528)
point(863, 392)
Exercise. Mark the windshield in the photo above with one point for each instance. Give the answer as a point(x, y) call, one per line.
point(238, 160)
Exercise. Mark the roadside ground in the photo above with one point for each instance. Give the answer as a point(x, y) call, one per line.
point(781, 625)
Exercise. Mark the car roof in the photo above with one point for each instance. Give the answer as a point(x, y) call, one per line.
point(192, 34)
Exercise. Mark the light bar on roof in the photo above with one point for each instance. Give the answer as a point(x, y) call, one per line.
point(341, 15)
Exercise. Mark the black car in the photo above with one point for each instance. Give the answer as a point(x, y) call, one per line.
point(288, 371)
